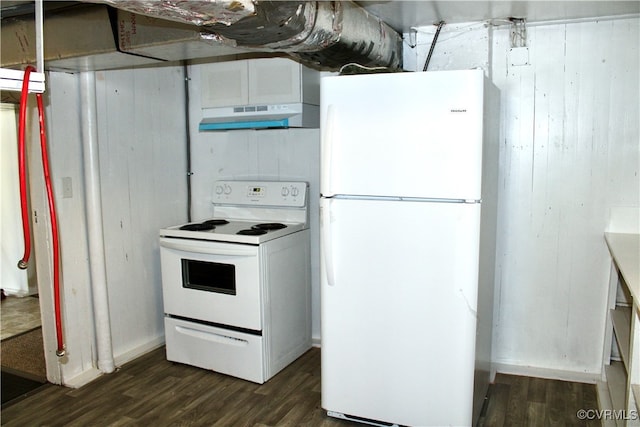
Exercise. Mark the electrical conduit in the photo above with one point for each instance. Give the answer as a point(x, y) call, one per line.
point(60, 351)
point(94, 222)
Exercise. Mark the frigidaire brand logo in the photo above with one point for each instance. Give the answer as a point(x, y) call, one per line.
point(458, 111)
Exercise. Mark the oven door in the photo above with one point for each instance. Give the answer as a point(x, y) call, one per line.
point(211, 281)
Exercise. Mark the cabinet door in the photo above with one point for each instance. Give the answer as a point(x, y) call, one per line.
point(274, 80)
point(225, 84)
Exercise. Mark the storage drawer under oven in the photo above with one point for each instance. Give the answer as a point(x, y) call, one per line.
point(212, 281)
point(221, 350)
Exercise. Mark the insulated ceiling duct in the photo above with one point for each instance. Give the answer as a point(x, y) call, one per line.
point(323, 34)
point(77, 37)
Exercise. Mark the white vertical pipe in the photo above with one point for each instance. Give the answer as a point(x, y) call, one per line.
point(39, 36)
point(94, 221)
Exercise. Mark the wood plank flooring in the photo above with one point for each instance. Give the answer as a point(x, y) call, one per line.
point(152, 391)
point(525, 401)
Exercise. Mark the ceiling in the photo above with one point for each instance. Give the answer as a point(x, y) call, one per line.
point(99, 52)
point(402, 15)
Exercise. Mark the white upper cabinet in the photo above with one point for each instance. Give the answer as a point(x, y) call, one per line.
point(225, 84)
point(274, 80)
point(258, 81)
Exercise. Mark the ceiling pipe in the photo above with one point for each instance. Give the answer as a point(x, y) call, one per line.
point(323, 34)
point(203, 12)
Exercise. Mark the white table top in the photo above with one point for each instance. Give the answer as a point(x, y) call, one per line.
point(625, 250)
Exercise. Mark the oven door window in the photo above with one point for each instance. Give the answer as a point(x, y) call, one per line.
point(209, 276)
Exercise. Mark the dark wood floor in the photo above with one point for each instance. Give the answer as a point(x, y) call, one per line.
point(152, 391)
point(525, 401)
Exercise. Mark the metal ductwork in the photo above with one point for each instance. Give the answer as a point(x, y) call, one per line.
point(322, 34)
point(77, 37)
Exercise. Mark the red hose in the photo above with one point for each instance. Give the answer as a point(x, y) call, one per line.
point(52, 211)
point(22, 264)
point(54, 226)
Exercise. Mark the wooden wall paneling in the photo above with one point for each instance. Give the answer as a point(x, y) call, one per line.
point(623, 126)
point(216, 155)
point(64, 141)
point(516, 154)
point(143, 169)
point(559, 114)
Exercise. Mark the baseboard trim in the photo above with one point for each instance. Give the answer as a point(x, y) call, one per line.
point(138, 351)
point(552, 374)
point(83, 378)
point(93, 373)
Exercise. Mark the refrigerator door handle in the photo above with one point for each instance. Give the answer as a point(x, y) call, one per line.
point(327, 152)
point(327, 247)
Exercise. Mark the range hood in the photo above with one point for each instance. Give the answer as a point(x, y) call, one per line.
point(258, 93)
point(268, 116)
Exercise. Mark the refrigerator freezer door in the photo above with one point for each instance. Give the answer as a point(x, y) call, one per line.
point(399, 297)
point(403, 134)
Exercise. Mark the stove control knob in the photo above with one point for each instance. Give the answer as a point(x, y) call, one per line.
point(227, 189)
point(294, 191)
point(219, 189)
point(284, 192)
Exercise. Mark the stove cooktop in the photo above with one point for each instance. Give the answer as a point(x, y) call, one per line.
point(235, 231)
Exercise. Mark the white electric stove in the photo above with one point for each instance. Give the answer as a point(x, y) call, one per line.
point(236, 287)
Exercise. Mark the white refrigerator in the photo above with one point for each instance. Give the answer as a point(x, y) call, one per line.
point(408, 226)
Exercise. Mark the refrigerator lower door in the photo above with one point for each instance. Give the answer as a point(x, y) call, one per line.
point(399, 294)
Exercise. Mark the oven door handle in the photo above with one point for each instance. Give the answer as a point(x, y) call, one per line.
point(194, 246)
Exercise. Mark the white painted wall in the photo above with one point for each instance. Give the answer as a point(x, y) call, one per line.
point(65, 158)
point(13, 280)
point(141, 135)
point(285, 154)
point(571, 153)
point(459, 47)
point(570, 156)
